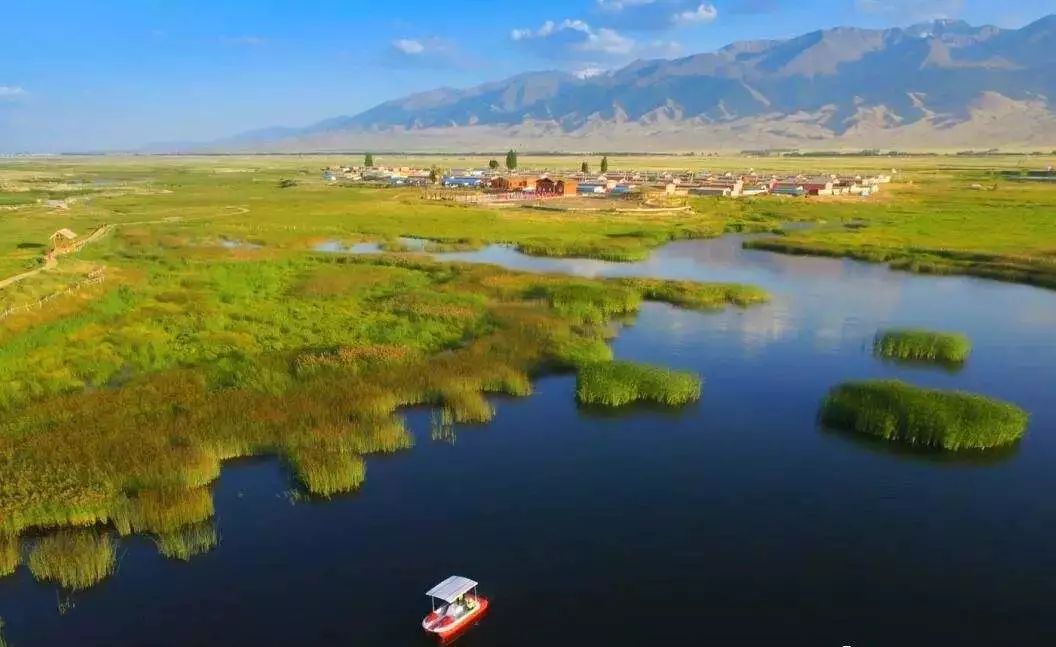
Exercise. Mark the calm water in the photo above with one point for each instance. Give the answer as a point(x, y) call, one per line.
point(731, 521)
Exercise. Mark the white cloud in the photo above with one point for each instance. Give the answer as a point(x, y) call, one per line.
point(408, 46)
point(574, 39)
point(655, 14)
point(705, 12)
point(12, 92)
point(420, 52)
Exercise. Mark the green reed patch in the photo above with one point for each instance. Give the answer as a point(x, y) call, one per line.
point(698, 296)
point(326, 472)
point(76, 559)
point(10, 554)
point(162, 511)
point(915, 344)
point(189, 541)
point(947, 420)
point(468, 407)
point(619, 383)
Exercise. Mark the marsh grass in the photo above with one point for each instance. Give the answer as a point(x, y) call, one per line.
point(121, 410)
point(188, 542)
point(947, 420)
point(10, 554)
point(76, 559)
point(162, 511)
point(325, 473)
point(468, 407)
point(697, 296)
point(922, 345)
point(615, 384)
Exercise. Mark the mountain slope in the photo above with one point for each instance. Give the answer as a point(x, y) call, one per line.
point(941, 84)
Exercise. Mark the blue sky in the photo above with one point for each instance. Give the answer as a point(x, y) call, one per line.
point(78, 75)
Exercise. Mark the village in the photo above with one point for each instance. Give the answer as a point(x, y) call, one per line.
point(492, 184)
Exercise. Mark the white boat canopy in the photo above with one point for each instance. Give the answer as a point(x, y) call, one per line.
point(451, 589)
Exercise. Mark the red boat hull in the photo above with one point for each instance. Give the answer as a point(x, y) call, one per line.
point(452, 630)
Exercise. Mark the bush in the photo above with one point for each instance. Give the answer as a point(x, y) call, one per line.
point(948, 420)
point(905, 343)
point(615, 384)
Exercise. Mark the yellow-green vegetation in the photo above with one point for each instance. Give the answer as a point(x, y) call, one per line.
point(914, 344)
point(76, 559)
point(615, 384)
point(698, 296)
point(933, 222)
point(10, 554)
point(946, 420)
point(189, 541)
point(325, 471)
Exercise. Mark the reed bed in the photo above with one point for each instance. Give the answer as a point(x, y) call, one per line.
point(468, 407)
point(697, 296)
point(190, 541)
point(10, 554)
point(325, 473)
point(122, 411)
point(946, 420)
point(76, 559)
point(616, 384)
point(923, 345)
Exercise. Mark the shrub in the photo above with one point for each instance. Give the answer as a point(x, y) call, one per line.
point(615, 384)
point(948, 420)
point(905, 343)
point(76, 559)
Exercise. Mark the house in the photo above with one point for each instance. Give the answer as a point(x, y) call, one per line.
point(63, 240)
point(510, 183)
point(550, 186)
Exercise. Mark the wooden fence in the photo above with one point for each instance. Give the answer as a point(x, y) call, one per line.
point(94, 277)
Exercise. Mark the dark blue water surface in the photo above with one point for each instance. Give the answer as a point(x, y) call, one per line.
point(735, 520)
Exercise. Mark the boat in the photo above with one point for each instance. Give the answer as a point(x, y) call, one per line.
point(459, 608)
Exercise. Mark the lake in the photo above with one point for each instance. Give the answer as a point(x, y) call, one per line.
point(734, 520)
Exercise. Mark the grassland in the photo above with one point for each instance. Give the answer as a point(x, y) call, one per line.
point(615, 384)
point(946, 420)
point(188, 542)
point(922, 345)
point(219, 331)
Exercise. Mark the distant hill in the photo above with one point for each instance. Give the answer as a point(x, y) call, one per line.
point(945, 84)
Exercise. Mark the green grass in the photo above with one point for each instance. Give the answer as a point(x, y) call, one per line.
point(188, 542)
point(946, 420)
point(615, 384)
point(326, 472)
point(76, 559)
point(915, 344)
point(10, 554)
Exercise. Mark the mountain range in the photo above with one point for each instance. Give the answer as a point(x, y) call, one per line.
point(945, 84)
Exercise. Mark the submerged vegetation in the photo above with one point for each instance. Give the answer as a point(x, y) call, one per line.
point(615, 384)
point(947, 420)
point(913, 344)
point(76, 559)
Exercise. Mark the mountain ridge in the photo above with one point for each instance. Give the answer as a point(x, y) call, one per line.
point(940, 84)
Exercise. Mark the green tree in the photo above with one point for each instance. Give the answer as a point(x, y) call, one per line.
point(584, 167)
point(368, 160)
point(435, 174)
point(511, 160)
point(493, 164)
point(605, 164)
